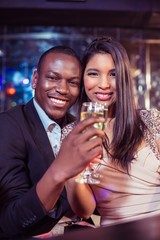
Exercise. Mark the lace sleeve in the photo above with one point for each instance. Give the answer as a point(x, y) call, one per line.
point(67, 129)
point(157, 128)
point(151, 119)
point(156, 119)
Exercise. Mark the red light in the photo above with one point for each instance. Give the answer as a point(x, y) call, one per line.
point(11, 91)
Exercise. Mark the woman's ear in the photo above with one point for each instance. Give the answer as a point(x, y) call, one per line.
point(34, 79)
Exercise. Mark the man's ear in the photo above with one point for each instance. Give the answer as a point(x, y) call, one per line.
point(34, 79)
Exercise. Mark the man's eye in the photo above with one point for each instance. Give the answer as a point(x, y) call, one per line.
point(74, 83)
point(52, 78)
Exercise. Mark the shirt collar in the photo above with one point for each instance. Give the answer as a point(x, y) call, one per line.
point(46, 121)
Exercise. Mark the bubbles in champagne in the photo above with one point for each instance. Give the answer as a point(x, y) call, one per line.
point(90, 109)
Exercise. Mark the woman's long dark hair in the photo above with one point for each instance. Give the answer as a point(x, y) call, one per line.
point(128, 129)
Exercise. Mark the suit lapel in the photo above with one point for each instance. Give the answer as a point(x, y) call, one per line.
point(38, 132)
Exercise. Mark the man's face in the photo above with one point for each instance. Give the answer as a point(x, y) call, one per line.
point(57, 84)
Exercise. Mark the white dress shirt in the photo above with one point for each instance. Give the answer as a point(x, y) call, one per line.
point(52, 128)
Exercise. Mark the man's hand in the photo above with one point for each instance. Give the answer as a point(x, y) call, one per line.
point(79, 148)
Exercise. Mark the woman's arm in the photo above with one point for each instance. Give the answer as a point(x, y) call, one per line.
point(158, 141)
point(157, 124)
point(81, 198)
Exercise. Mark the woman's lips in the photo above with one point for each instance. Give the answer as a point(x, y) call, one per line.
point(103, 96)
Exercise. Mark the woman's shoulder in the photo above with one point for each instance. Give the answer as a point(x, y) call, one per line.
point(153, 112)
point(151, 118)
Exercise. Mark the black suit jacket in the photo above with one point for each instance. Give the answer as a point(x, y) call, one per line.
point(25, 155)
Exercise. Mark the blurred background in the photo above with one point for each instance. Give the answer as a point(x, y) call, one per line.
point(28, 28)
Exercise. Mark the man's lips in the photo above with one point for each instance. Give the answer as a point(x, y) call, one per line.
point(58, 102)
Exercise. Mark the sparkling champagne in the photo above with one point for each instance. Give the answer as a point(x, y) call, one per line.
point(92, 109)
point(99, 125)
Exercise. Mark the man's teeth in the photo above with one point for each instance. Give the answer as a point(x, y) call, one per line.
point(57, 101)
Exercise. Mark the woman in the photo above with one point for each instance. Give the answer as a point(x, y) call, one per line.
point(129, 188)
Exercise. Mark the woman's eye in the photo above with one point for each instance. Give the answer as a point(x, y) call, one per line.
point(112, 75)
point(92, 74)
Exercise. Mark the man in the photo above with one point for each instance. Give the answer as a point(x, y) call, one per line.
point(33, 170)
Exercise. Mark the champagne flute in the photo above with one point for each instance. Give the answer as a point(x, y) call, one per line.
point(92, 109)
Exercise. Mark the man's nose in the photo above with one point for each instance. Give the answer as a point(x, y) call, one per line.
point(62, 86)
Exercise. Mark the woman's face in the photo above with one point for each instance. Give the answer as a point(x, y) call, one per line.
point(100, 79)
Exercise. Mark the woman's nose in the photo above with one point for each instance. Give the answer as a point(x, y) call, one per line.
point(104, 82)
